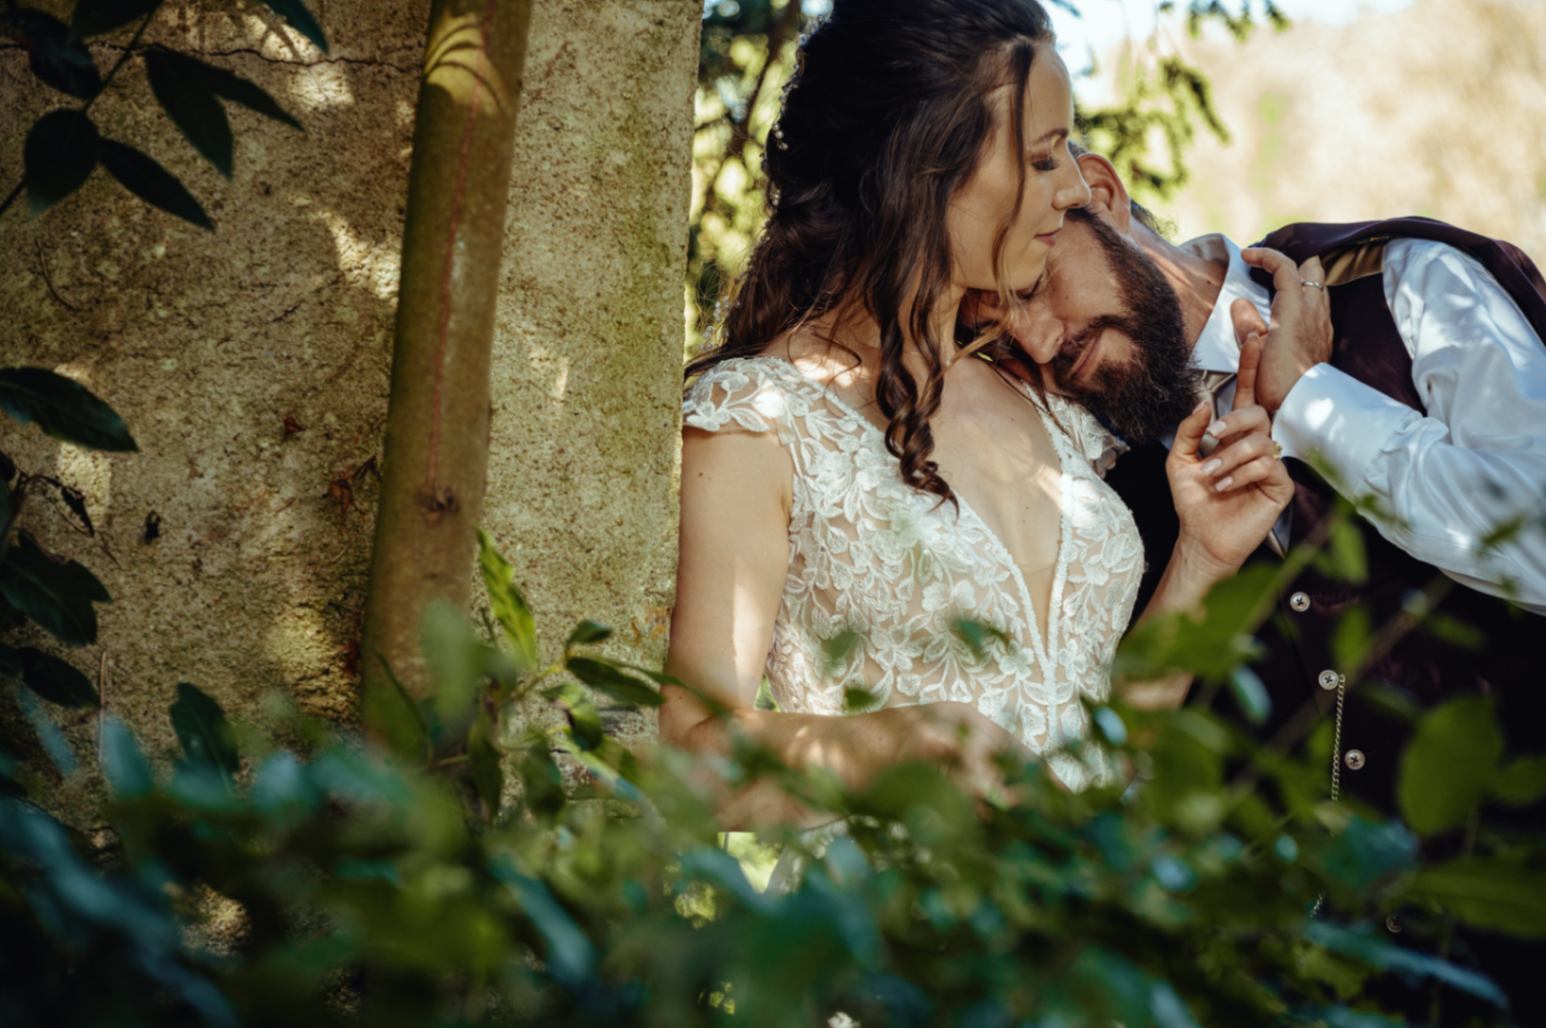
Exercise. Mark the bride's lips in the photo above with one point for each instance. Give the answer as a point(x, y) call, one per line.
point(1048, 238)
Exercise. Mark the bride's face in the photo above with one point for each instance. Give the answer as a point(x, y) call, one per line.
point(1044, 174)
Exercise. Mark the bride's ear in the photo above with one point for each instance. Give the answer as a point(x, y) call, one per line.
point(1108, 196)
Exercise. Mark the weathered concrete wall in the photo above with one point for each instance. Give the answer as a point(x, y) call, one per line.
point(251, 363)
point(588, 341)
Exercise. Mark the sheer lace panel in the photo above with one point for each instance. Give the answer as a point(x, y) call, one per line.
point(875, 560)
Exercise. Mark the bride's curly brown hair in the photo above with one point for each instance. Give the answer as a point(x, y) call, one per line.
point(883, 121)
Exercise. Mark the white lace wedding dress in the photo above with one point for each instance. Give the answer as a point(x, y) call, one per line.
point(874, 556)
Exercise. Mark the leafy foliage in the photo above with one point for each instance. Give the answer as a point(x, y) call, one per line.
point(61, 150)
point(471, 885)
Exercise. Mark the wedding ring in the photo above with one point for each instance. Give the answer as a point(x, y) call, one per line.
point(1277, 450)
point(1312, 285)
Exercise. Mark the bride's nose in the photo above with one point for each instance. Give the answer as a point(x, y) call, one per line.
point(1072, 189)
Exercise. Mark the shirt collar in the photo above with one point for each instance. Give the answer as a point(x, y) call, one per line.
point(1217, 348)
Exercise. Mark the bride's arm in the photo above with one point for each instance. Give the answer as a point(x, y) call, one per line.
point(733, 559)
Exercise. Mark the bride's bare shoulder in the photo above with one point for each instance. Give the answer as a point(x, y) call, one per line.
point(823, 360)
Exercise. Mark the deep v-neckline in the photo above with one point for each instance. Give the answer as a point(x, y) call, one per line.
point(1041, 639)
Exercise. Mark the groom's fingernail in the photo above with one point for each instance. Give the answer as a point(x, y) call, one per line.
point(1212, 466)
point(1216, 430)
point(1223, 483)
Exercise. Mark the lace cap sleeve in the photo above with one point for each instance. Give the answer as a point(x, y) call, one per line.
point(738, 395)
point(1096, 442)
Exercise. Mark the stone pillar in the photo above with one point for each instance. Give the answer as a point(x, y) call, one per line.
point(588, 342)
point(251, 363)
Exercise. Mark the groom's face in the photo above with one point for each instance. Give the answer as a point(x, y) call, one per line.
point(1105, 328)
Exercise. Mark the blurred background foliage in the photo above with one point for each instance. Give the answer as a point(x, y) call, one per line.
point(483, 871)
point(1232, 116)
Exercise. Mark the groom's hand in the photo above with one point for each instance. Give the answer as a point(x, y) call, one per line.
point(1300, 334)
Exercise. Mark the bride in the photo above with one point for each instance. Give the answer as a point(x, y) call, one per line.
point(853, 468)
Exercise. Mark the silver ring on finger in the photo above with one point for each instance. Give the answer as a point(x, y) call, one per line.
point(1312, 285)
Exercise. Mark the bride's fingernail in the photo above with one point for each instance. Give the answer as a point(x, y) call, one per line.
point(1216, 430)
point(1212, 466)
point(1223, 483)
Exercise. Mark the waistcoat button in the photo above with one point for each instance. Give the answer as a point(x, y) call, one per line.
point(1300, 602)
point(1354, 760)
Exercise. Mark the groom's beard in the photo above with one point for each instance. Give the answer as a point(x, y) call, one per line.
point(1147, 397)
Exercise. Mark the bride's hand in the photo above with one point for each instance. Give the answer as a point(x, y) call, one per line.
point(1229, 500)
point(965, 742)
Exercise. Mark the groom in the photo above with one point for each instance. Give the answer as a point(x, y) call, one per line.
point(1426, 396)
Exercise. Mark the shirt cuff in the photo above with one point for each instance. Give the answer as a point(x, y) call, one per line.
point(1334, 422)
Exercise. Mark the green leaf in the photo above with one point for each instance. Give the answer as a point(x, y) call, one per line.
point(59, 155)
point(1365, 946)
point(1351, 639)
point(461, 663)
point(584, 723)
point(1366, 852)
point(855, 699)
point(587, 632)
point(569, 953)
point(394, 715)
point(63, 408)
point(55, 680)
point(94, 17)
point(295, 12)
point(483, 759)
point(1521, 782)
point(280, 787)
point(125, 767)
point(54, 744)
point(55, 56)
point(1488, 893)
point(183, 92)
point(976, 635)
point(1346, 555)
point(836, 651)
point(1250, 694)
point(506, 601)
point(148, 180)
point(58, 595)
point(205, 734)
point(1211, 646)
point(1454, 631)
point(1449, 765)
point(607, 678)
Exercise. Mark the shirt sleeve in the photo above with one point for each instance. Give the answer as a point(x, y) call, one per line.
point(1448, 480)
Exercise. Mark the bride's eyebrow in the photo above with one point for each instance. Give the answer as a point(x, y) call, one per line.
point(1056, 135)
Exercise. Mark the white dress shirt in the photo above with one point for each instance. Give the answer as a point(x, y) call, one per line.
point(1475, 461)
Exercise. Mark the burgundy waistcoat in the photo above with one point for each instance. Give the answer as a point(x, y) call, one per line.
point(1425, 666)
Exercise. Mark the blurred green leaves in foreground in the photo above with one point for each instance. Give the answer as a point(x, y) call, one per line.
point(479, 870)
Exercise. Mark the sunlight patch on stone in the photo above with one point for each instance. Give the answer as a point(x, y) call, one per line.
point(321, 86)
point(366, 264)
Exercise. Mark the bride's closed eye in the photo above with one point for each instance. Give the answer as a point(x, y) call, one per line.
point(1049, 161)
